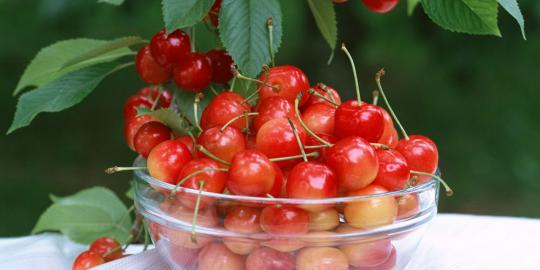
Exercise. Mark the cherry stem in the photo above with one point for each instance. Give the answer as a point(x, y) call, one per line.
point(300, 145)
point(324, 87)
point(155, 102)
point(315, 146)
point(449, 191)
point(110, 252)
point(213, 90)
point(380, 145)
point(196, 102)
point(256, 92)
point(299, 117)
point(270, 26)
point(212, 156)
point(245, 114)
point(411, 182)
point(357, 87)
point(146, 238)
point(375, 95)
point(175, 189)
point(317, 94)
point(378, 76)
point(192, 38)
point(233, 84)
point(116, 169)
point(312, 154)
point(196, 213)
point(246, 118)
point(242, 77)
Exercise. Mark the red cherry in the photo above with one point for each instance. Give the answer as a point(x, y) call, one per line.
point(387, 265)
point(223, 144)
point(171, 49)
point(278, 182)
point(269, 259)
point(224, 107)
point(284, 220)
point(331, 95)
point(167, 159)
point(87, 260)
point(222, 65)
point(149, 70)
point(251, 173)
point(380, 6)
point(408, 205)
point(367, 254)
point(319, 118)
point(272, 107)
point(289, 80)
point(389, 136)
point(214, 181)
point(149, 135)
point(132, 125)
point(194, 73)
point(188, 141)
point(214, 13)
point(276, 139)
point(105, 245)
point(365, 121)
point(421, 154)
point(133, 103)
point(312, 141)
point(217, 256)
point(311, 180)
point(243, 219)
point(151, 93)
point(354, 162)
point(393, 170)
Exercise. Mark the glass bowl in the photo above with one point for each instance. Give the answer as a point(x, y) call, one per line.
point(344, 232)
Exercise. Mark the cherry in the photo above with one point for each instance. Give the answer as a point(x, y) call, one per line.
point(104, 246)
point(87, 260)
point(214, 13)
point(223, 144)
point(172, 49)
point(217, 256)
point(284, 220)
point(421, 155)
point(151, 93)
point(354, 162)
point(222, 65)
point(330, 94)
point(167, 159)
point(364, 120)
point(149, 70)
point(243, 219)
point(288, 82)
point(239, 245)
point(194, 73)
point(319, 118)
point(321, 258)
point(183, 258)
point(408, 205)
point(311, 180)
point(188, 141)
point(132, 125)
point(149, 135)
point(389, 136)
point(133, 103)
point(251, 173)
point(387, 265)
point(394, 173)
point(224, 107)
point(269, 259)
point(370, 213)
point(312, 141)
point(276, 139)
point(195, 171)
point(278, 182)
point(366, 254)
point(324, 220)
point(271, 108)
point(380, 6)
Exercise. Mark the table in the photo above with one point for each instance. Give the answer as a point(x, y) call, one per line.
point(452, 242)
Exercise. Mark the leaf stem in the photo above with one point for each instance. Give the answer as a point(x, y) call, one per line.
point(357, 87)
point(378, 76)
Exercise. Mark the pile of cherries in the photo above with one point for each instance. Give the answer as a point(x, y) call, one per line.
point(102, 250)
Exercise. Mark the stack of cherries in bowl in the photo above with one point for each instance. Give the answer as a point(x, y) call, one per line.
point(291, 177)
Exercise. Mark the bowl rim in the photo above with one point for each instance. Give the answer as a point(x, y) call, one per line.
point(142, 174)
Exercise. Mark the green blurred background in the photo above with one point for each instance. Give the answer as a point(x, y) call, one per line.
point(476, 96)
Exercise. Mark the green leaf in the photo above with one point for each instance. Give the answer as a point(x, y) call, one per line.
point(87, 215)
point(512, 7)
point(60, 94)
point(464, 16)
point(47, 64)
point(130, 193)
point(325, 18)
point(112, 2)
point(178, 124)
point(184, 13)
point(185, 100)
point(411, 4)
point(244, 33)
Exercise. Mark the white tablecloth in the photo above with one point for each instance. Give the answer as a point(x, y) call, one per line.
point(452, 242)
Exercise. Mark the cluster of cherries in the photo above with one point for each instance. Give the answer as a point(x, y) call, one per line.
point(102, 250)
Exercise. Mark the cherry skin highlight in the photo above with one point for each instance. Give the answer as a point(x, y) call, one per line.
point(365, 120)
point(194, 73)
point(149, 70)
point(276, 139)
point(224, 107)
point(251, 173)
point(421, 155)
point(222, 65)
point(167, 159)
point(149, 135)
point(271, 108)
point(104, 245)
point(354, 162)
point(87, 260)
point(171, 49)
point(289, 82)
point(284, 220)
point(393, 170)
point(320, 118)
point(311, 180)
point(223, 144)
point(214, 181)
